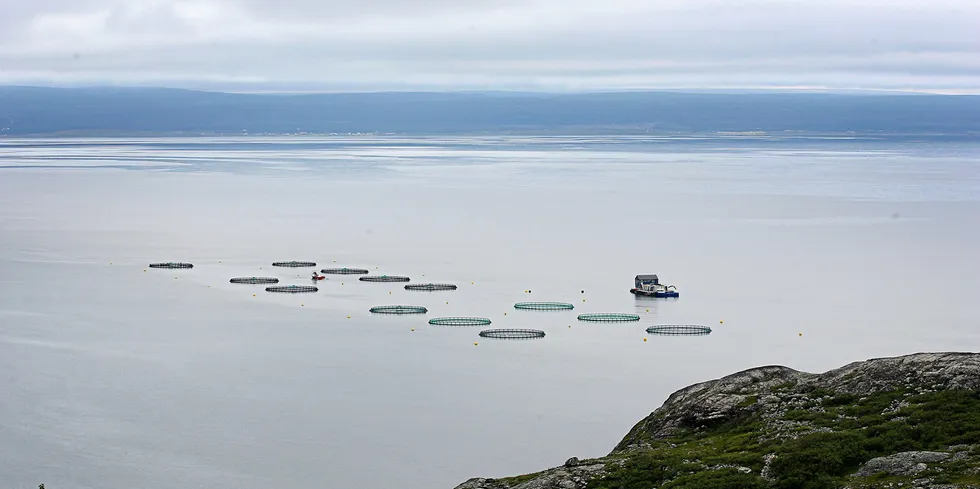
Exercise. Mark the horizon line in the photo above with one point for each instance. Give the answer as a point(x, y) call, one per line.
point(326, 91)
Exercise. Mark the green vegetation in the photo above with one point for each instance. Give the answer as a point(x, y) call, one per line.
point(518, 479)
point(829, 437)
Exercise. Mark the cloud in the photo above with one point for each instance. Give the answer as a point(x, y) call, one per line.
point(585, 44)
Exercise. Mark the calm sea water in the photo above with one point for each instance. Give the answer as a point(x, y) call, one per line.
point(813, 252)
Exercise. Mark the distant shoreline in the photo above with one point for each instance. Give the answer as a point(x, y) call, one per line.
point(692, 136)
point(138, 112)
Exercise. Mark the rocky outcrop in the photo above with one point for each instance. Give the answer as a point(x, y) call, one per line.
point(778, 405)
point(904, 463)
point(575, 474)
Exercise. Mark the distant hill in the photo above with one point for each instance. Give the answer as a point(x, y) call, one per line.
point(45, 111)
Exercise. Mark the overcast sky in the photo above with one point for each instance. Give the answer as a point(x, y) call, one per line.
point(924, 45)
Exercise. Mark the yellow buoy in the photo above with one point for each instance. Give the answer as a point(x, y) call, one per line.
point(301, 305)
point(348, 317)
point(413, 329)
point(644, 339)
point(389, 292)
point(447, 302)
point(648, 309)
point(475, 343)
point(721, 322)
point(471, 283)
point(335, 261)
point(253, 295)
point(583, 300)
point(801, 334)
point(144, 269)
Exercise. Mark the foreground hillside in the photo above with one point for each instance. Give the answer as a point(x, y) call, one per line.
point(910, 421)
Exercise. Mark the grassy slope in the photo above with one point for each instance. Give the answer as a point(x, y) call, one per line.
point(819, 440)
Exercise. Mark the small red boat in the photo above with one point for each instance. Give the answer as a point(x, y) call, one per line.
point(318, 277)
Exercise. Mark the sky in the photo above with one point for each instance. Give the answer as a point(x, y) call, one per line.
point(553, 45)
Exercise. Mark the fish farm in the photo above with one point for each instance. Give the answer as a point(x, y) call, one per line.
point(399, 310)
point(294, 264)
point(292, 289)
point(512, 334)
point(646, 283)
point(544, 306)
point(254, 280)
point(430, 287)
point(171, 265)
point(384, 278)
point(679, 330)
point(612, 317)
point(345, 271)
point(459, 321)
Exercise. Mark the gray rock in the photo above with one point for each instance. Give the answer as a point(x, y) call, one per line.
point(904, 463)
point(576, 476)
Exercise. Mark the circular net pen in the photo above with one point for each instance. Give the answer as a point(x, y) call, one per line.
point(399, 310)
point(608, 317)
point(292, 289)
point(679, 330)
point(345, 271)
point(430, 287)
point(254, 280)
point(459, 321)
point(384, 278)
point(171, 265)
point(512, 334)
point(294, 264)
point(544, 306)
